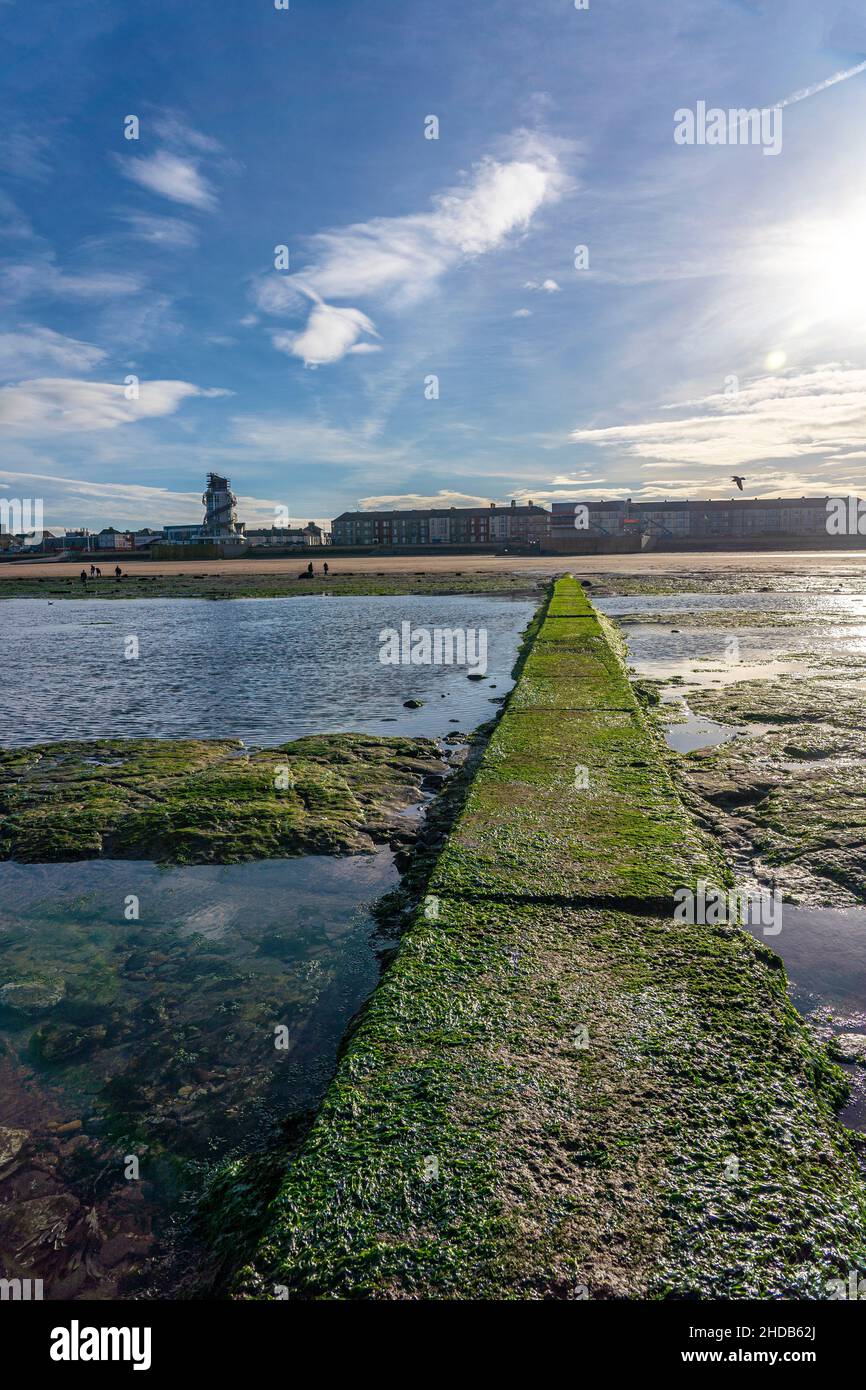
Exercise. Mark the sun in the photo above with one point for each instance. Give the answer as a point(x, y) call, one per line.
point(822, 265)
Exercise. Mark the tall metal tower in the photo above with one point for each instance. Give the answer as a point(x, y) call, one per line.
point(219, 503)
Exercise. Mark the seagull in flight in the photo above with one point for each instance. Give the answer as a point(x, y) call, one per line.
point(738, 481)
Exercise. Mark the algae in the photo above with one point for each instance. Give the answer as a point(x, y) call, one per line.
point(556, 1091)
point(209, 801)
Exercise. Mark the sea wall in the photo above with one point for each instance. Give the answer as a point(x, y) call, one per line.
point(557, 1090)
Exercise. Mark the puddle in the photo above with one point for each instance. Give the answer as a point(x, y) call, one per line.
point(824, 950)
point(153, 1040)
point(697, 731)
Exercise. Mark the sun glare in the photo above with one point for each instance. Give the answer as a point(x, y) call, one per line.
point(825, 259)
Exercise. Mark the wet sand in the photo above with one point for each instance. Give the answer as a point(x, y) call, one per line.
point(649, 565)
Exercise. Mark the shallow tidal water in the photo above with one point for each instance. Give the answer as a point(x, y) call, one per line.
point(140, 1005)
point(823, 948)
point(261, 670)
point(155, 1039)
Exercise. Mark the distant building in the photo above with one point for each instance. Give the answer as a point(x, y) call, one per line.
point(739, 518)
point(110, 539)
point(311, 534)
point(146, 537)
point(524, 524)
point(220, 524)
point(221, 521)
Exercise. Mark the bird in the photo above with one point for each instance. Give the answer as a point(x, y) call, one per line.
point(738, 481)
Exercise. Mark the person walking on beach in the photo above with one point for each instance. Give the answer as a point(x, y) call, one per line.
point(83, 576)
point(117, 571)
point(310, 568)
point(92, 571)
point(325, 568)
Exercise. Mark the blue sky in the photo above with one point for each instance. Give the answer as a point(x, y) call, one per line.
point(719, 327)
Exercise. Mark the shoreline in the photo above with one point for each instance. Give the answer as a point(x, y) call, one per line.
point(519, 576)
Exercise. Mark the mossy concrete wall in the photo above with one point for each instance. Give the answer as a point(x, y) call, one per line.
point(557, 1090)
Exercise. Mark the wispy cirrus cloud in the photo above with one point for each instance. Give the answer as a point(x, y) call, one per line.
point(399, 260)
point(172, 176)
point(174, 171)
point(311, 440)
point(406, 501)
point(31, 348)
point(66, 405)
point(41, 277)
point(71, 502)
point(23, 153)
point(800, 416)
point(14, 222)
point(171, 232)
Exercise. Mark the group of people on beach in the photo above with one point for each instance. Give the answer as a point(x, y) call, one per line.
point(96, 573)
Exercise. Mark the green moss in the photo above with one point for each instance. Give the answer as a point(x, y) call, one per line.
point(202, 801)
point(547, 1090)
point(227, 585)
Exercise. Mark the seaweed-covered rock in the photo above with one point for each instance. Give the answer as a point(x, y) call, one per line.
point(12, 1142)
point(196, 801)
point(33, 996)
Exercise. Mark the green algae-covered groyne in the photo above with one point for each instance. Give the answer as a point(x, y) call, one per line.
point(557, 1090)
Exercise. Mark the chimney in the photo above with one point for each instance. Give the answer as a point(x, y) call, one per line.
point(493, 506)
point(513, 503)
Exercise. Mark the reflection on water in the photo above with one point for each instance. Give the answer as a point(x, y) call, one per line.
point(824, 950)
point(153, 1040)
point(263, 670)
point(827, 627)
point(697, 731)
point(817, 628)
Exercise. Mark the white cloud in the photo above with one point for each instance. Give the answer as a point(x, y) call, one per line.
point(330, 333)
point(71, 502)
point(170, 175)
point(32, 348)
point(400, 259)
point(549, 286)
point(805, 415)
point(522, 314)
point(171, 127)
point(310, 441)
point(13, 222)
point(23, 153)
point(162, 231)
point(406, 501)
point(62, 404)
point(42, 277)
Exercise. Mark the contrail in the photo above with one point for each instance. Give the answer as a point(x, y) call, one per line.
point(805, 92)
point(820, 86)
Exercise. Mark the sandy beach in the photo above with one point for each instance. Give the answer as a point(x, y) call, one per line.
point(652, 563)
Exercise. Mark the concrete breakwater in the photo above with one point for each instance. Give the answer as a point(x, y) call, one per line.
point(557, 1090)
